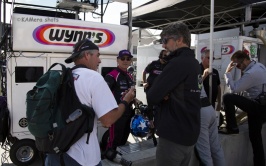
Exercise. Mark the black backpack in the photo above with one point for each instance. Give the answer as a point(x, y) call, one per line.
point(4, 120)
point(55, 115)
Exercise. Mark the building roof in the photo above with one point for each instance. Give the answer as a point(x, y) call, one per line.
point(196, 14)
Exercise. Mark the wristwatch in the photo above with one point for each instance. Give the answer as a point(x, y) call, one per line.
point(125, 103)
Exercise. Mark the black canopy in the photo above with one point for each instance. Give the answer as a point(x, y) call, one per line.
point(196, 14)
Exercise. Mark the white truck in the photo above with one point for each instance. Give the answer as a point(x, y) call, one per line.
point(224, 48)
point(38, 42)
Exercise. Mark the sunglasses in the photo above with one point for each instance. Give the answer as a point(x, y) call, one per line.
point(124, 58)
point(166, 39)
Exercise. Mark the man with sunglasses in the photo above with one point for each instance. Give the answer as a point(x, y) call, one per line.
point(252, 81)
point(119, 80)
point(177, 92)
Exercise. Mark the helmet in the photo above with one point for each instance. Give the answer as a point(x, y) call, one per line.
point(143, 109)
point(139, 126)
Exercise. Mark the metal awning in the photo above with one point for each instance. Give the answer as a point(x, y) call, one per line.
point(228, 14)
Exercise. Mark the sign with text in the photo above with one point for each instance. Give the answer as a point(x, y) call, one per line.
point(50, 34)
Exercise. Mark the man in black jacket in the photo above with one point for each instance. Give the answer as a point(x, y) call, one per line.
point(177, 91)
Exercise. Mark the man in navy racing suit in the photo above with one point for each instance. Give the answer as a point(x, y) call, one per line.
point(119, 81)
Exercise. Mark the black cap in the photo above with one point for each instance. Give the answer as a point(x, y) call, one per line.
point(80, 46)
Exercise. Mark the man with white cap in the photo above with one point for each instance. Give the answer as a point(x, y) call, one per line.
point(93, 91)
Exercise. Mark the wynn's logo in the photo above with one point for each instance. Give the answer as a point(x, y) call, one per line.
point(227, 49)
point(64, 35)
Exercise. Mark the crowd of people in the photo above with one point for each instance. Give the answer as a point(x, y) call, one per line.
point(178, 86)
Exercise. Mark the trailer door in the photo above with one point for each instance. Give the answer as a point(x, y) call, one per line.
point(25, 71)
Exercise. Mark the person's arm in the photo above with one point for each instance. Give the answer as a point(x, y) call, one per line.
point(110, 81)
point(173, 73)
point(205, 74)
point(144, 77)
point(230, 67)
point(245, 82)
point(145, 83)
point(101, 103)
point(218, 108)
point(145, 71)
point(111, 117)
point(219, 94)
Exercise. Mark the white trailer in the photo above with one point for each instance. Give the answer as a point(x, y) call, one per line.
point(224, 48)
point(38, 42)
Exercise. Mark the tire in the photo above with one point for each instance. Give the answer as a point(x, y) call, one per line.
point(23, 152)
point(105, 140)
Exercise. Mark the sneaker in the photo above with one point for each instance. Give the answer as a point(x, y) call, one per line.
point(228, 131)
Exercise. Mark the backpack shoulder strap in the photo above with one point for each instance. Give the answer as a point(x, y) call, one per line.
point(79, 66)
point(63, 67)
point(88, 110)
point(54, 64)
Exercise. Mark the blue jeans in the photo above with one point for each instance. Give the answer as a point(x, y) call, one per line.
point(54, 160)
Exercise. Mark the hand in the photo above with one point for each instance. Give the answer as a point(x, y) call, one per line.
point(230, 67)
point(129, 95)
point(151, 124)
point(145, 85)
point(205, 73)
point(218, 107)
point(137, 101)
point(166, 97)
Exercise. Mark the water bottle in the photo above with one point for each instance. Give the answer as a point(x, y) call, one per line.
point(74, 115)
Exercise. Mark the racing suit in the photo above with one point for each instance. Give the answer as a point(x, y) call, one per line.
point(119, 81)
